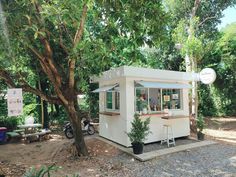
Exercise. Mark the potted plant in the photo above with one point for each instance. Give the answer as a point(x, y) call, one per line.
point(144, 106)
point(200, 127)
point(139, 131)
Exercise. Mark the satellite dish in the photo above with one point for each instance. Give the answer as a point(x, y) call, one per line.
point(207, 76)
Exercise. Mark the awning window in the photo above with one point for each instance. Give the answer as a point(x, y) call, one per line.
point(163, 85)
point(107, 88)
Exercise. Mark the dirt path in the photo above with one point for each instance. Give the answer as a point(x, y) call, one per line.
point(16, 158)
point(31, 154)
point(223, 129)
point(106, 160)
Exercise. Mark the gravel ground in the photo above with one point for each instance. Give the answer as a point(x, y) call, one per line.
point(215, 160)
point(158, 146)
point(107, 161)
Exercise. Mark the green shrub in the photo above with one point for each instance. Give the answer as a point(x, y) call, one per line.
point(43, 171)
point(200, 123)
point(9, 122)
point(139, 130)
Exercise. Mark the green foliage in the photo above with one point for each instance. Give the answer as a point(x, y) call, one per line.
point(207, 100)
point(139, 130)
point(92, 100)
point(186, 36)
point(208, 13)
point(114, 32)
point(222, 99)
point(30, 109)
point(141, 104)
point(3, 105)
point(59, 116)
point(200, 123)
point(43, 171)
point(9, 122)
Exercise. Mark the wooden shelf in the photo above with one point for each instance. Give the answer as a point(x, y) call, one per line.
point(174, 117)
point(155, 114)
point(110, 113)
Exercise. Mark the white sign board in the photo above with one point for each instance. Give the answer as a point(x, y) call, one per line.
point(15, 102)
point(207, 76)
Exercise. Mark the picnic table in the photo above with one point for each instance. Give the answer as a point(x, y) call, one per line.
point(29, 132)
point(29, 128)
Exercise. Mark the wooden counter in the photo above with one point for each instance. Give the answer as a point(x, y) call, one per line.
point(154, 114)
point(174, 117)
point(110, 113)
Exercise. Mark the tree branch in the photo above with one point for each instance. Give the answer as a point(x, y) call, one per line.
point(71, 74)
point(50, 99)
point(195, 7)
point(80, 30)
point(48, 50)
point(45, 66)
point(4, 75)
point(61, 42)
point(207, 18)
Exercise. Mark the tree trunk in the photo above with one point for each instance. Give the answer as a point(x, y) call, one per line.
point(57, 109)
point(77, 129)
point(46, 116)
point(42, 85)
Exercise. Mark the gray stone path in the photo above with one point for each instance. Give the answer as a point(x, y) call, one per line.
point(217, 160)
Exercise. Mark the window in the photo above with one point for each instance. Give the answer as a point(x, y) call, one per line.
point(109, 100)
point(112, 100)
point(157, 99)
point(141, 98)
point(117, 100)
point(171, 98)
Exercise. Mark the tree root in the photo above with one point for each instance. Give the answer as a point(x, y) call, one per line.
point(72, 150)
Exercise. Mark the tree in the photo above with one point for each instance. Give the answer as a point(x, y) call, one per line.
point(195, 19)
point(54, 38)
point(223, 59)
point(34, 29)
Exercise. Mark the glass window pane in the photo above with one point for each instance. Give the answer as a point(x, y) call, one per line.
point(155, 99)
point(166, 98)
point(109, 100)
point(171, 98)
point(117, 100)
point(175, 99)
point(141, 99)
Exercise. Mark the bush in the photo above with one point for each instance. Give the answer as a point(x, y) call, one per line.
point(200, 123)
point(43, 171)
point(9, 122)
point(139, 130)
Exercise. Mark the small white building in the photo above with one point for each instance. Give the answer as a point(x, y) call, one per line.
point(126, 90)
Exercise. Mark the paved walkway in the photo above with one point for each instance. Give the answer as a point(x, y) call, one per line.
point(157, 153)
point(217, 160)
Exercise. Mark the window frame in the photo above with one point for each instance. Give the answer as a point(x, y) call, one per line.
point(162, 101)
point(113, 101)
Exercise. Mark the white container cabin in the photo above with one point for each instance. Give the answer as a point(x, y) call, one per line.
point(127, 90)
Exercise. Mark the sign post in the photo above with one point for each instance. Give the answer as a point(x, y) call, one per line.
point(14, 102)
point(207, 76)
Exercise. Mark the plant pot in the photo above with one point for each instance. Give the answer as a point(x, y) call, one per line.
point(200, 136)
point(137, 148)
point(145, 111)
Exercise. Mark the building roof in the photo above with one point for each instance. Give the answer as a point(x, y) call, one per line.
point(146, 73)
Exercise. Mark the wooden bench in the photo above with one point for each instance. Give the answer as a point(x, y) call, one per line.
point(13, 135)
point(35, 136)
point(19, 131)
